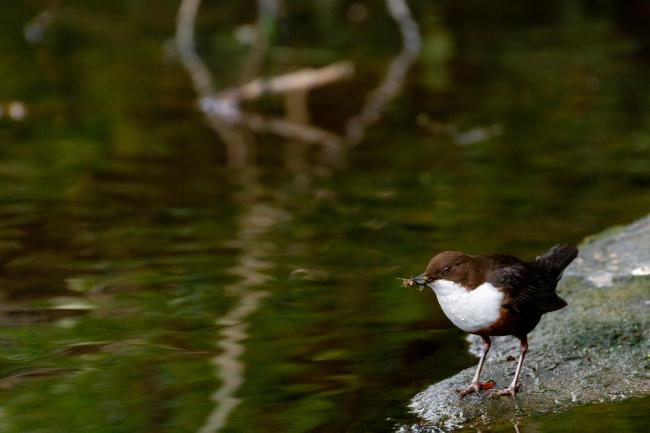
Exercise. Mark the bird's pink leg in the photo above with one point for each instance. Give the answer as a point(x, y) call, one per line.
point(515, 385)
point(476, 385)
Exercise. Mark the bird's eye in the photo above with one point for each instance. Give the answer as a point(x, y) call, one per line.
point(446, 269)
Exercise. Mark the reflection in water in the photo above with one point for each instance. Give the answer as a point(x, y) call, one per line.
point(223, 112)
point(14, 110)
point(223, 108)
point(252, 261)
point(304, 79)
point(34, 30)
point(199, 73)
point(267, 15)
point(251, 266)
point(395, 75)
point(228, 368)
point(15, 379)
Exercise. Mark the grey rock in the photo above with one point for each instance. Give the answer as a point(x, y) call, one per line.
point(595, 350)
point(618, 252)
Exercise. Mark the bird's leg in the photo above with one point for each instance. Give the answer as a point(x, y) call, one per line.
point(476, 385)
point(515, 385)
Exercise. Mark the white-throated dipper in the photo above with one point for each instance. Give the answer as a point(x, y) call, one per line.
point(496, 295)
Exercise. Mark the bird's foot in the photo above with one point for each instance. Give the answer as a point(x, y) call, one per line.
point(476, 387)
point(511, 390)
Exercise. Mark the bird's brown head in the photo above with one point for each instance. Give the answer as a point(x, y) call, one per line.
point(453, 266)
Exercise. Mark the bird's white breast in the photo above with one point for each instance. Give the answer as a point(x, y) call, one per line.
point(470, 310)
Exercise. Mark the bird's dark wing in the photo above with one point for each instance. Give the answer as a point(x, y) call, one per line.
point(526, 289)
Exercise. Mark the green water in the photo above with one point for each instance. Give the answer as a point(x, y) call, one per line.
point(627, 416)
point(149, 285)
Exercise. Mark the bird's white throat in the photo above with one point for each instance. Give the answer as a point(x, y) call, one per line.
point(470, 310)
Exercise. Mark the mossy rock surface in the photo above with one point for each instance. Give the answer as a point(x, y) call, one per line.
point(595, 350)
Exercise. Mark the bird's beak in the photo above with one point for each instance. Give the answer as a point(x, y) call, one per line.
point(421, 280)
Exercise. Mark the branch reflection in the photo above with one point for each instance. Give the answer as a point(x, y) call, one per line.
point(225, 116)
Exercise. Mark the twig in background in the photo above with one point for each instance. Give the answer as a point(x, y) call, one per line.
point(303, 79)
point(268, 12)
point(223, 108)
point(395, 74)
point(199, 73)
point(34, 30)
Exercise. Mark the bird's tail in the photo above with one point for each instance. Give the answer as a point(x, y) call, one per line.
point(556, 259)
point(552, 263)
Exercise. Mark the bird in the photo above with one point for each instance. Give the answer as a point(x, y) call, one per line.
point(496, 295)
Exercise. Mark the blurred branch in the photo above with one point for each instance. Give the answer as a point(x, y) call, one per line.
point(290, 129)
point(223, 108)
point(267, 15)
point(199, 73)
point(303, 79)
point(34, 30)
point(395, 74)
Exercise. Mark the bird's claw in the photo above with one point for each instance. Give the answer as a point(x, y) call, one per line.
point(511, 391)
point(476, 387)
